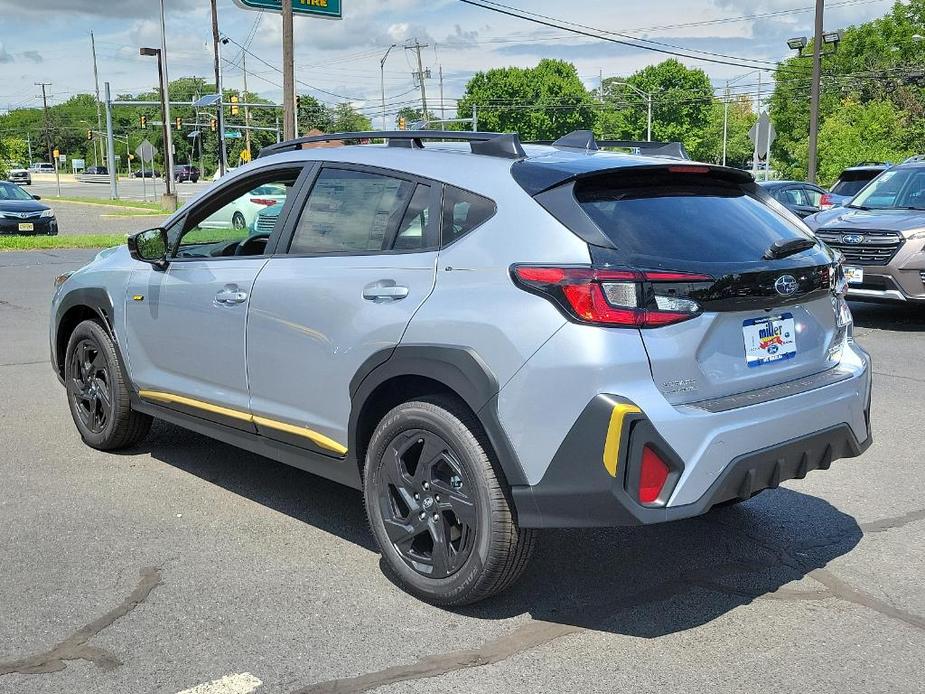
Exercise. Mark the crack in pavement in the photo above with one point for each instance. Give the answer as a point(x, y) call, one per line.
point(885, 524)
point(523, 638)
point(24, 363)
point(75, 646)
point(843, 591)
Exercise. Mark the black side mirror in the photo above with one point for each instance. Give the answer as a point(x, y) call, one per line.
point(149, 246)
point(36, 197)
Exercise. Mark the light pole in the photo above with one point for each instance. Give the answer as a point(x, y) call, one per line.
point(648, 97)
point(382, 82)
point(168, 179)
point(729, 83)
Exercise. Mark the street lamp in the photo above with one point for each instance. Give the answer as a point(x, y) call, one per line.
point(798, 43)
point(160, 73)
point(382, 82)
point(729, 83)
point(648, 96)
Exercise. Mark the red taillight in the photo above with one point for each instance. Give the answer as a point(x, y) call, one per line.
point(653, 474)
point(263, 201)
point(825, 202)
point(610, 297)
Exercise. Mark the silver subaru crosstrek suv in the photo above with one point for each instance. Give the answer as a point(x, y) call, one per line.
point(486, 337)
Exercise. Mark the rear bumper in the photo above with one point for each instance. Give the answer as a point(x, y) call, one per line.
point(578, 490)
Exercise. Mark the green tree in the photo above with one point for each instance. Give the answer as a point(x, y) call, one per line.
point(682, 106)
point(861, 132)
point(876, 60)
point(13, 151)
point(739, 148)
point(347, 120)
point(540, 103)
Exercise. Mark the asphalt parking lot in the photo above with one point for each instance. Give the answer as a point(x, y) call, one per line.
point(187, 561)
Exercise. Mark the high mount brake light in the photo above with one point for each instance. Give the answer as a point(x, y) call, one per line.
point(269, 202)
point(623, 298)
point(689, 169)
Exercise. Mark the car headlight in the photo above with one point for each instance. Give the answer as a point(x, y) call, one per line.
point(48, 213)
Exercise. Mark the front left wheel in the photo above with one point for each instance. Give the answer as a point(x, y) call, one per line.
point(438, 508)
point(97, 394)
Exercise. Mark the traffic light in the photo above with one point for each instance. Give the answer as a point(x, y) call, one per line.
point(213, 125)
point(89, 134)
point(234, 104)
point(144, 121)
point(402, 123)
point(178, 123)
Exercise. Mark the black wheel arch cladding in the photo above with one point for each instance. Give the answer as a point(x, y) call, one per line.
point(458, 368)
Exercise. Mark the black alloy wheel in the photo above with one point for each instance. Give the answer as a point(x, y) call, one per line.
point(427, 508)
point(91, 385)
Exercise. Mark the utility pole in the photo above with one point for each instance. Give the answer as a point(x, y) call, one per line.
point(247, 112)
point(442, 108)
point(649, 119)
point(600, 93)
point(165, 86)
point(417, 46)
point(96, 81)
point(814, 92)
point(51, 157)
point(289, 113)
point(29, 145)
point(219, 109)
point(111, 148)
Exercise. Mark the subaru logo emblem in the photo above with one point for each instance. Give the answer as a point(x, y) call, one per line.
point(786, 285)
point(853, 239)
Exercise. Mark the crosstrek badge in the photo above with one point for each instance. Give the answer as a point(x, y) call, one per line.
point(769, 339)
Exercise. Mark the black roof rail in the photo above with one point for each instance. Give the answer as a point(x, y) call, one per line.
point(505, 145)
point(584, 140)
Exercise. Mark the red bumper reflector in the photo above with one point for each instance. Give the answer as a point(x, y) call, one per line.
point(652, 476)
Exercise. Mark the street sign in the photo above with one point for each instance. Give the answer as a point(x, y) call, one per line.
point(327, 9)
point(56, 154)
point(762, 134)
point(145, 151)
point(232, 134)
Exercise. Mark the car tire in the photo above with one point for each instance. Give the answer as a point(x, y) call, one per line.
point(238, 221)
point(97, 394)
point(437, 505)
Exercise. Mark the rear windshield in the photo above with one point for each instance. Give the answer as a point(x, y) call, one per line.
point(850, 182)
point(653, 219)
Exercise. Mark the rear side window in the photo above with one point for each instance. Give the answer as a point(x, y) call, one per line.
point(851, 182)
point(658, 219)
point(462, 212)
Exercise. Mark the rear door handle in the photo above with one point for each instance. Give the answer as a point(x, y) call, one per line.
point(230, 297)
point(384, 290)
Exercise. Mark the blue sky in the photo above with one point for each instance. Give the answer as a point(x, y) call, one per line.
point(48, 41)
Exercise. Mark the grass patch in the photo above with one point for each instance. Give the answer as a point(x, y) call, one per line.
point(127, 204)
point(31, 243)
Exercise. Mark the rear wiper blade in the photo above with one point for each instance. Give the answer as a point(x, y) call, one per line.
point(782, 249)
point(857, 207)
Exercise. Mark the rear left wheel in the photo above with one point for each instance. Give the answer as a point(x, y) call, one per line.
point(437, 508)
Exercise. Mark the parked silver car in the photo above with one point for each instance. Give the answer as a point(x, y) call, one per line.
point(486, 338)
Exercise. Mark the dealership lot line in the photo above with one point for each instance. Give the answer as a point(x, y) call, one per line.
point(265, 573)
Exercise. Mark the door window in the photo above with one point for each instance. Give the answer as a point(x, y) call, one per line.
point(237, 221)
point(360, 212)
point(792, 196)
point(814, 196)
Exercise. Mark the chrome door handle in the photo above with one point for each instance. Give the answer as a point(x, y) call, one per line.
point(381, 292)
point(230, 297)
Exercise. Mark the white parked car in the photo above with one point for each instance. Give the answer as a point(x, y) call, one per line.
point(218, 173)
point(243, 212)
point(42, 167)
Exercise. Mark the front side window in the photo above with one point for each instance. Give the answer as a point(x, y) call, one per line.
point(238, 221)
point(813, 196)
point(358, 212)
point(791, 196)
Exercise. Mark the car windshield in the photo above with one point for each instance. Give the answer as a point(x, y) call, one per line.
point(897, 189)
point(8, 191)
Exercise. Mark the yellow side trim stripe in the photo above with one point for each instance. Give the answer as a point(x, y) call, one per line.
point(615, 434)
point(310, 434)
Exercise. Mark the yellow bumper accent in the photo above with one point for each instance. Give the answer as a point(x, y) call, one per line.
point(614, 434)
point(310, 434)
